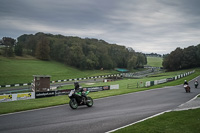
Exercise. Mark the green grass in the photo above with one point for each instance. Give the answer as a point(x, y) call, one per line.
point(171, 122)
point(21, 70)
point(154, 61)
point(16, 106)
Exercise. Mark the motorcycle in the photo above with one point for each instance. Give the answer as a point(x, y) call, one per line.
point(196, 84)
point(79, 99)
point(187, 88)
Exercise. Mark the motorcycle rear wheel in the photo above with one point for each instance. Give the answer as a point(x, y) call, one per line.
point(73, 104)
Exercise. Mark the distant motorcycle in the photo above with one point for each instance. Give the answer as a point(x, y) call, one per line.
point(79, 98)
point(196, 84)
point(187, 88)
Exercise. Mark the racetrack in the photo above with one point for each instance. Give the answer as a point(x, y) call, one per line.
point(106, 114)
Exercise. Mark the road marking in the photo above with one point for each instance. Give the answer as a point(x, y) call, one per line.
point(138, 121)
point(189, 100)
point(187, 108)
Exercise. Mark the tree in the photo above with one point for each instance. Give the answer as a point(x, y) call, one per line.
point(9, 44)
point(141, 60)
point(132, 63)
point(43, 49)
point(173, 61)
point(92, 61)
point(76, 56)
point(189, 57)
point(28, 43)
point(105, 62)
point(18, 50)
point(81, 53)
point(165, 62)
point(198, 55)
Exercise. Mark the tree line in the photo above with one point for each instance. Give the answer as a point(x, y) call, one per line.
point(87, 53)
point(182, 58)
point(154, 55)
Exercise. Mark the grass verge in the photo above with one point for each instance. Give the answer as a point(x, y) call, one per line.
point(171, 122)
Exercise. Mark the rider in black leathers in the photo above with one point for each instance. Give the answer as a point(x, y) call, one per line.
point(196, 83)
point(77, 87)
point(80, 89)
point(185, 83)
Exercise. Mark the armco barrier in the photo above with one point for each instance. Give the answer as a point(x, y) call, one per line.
point(156, 82)
point(65, 80)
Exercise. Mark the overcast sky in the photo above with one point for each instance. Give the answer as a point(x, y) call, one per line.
point(158, 26)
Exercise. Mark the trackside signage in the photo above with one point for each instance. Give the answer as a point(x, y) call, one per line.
point(98, 88)
point(15, 97)
point(33, 95)
point(45, 94)
point(91, 89)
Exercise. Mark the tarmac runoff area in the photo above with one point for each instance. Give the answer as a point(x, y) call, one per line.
point(192, 104)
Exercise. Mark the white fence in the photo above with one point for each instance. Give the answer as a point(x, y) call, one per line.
point(156, 82)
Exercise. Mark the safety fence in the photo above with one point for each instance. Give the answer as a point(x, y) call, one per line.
point(156, 82)
point(142, 84)
point(64, 80)
point(33, 95)
point(142, 74)
point(127, 75)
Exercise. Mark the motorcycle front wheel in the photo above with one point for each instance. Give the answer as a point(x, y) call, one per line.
point(73, 104)
point(89, 102)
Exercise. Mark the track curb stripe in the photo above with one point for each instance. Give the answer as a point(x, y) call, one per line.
point(139, 121)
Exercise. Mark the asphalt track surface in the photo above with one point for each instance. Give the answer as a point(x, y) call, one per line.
point(106, 114)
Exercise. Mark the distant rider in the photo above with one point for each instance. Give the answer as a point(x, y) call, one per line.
point(185, 83)
point(196, 83)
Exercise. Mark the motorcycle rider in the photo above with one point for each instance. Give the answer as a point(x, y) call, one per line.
point(196, 83)
point(76, 85)
point(186, 86)
point(80, 89)
point(185, 83)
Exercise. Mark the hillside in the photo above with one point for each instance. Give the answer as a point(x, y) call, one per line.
point(154, 61)
point(21, 70)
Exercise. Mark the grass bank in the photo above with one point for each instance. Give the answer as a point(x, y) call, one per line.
point(154, 61)
point(21, 70)
point(171, 122)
